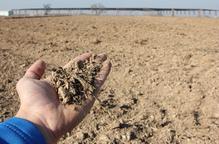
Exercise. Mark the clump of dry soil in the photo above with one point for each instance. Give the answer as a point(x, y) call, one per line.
point(77, 81)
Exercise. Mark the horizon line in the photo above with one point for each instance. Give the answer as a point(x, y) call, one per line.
point(115, 8)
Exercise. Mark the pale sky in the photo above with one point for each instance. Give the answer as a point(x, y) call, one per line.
point(16, 4)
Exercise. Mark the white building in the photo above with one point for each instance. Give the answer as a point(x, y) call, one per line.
point(4, 13)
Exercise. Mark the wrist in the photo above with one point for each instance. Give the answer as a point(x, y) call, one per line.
point(42, 126)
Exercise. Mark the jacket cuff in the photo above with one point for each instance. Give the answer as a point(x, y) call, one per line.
point(20, 131)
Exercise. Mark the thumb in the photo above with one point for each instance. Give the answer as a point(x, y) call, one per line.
point(36, 70)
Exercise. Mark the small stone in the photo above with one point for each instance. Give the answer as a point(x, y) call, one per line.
point(6, 113)
point(117, 136)
point(79, 135)
point(111, 93)
point(125, 106)
point(140, 93)
point(85, 136)
point(23, 65)
point(124, 137)
point(68, 134)
point(94, 27)
point(9, 81)
point(93, 134)
point(104, 138)
point(96, 41)
point(124, 125)
point(2, 88)
point(131, 135)
point(115, 124)
point(82, 136)
point(97, 127)
point(115, 141)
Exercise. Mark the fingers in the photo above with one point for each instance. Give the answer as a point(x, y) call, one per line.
point(104, 72)
point(36, 70)
point(82, 57)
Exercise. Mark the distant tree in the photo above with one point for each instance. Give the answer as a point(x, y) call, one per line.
point(10, 13)
point(97, 8)
point(47, 8)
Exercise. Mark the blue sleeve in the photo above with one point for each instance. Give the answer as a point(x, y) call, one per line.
point(20, 131)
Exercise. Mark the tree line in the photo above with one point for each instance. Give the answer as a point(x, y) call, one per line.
point(96, 8)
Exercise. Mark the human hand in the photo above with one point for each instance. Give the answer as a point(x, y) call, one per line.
point(40, 103)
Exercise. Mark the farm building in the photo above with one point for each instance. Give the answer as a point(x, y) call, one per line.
point(114, 11)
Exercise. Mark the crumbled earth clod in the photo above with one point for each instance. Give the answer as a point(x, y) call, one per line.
point(76, 82)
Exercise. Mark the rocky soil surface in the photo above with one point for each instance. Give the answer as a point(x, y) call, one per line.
point(164, 84)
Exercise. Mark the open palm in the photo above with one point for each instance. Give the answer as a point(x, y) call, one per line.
point(40, 103)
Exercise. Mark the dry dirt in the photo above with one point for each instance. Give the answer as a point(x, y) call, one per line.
point(164, 84)
point(76, 82)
